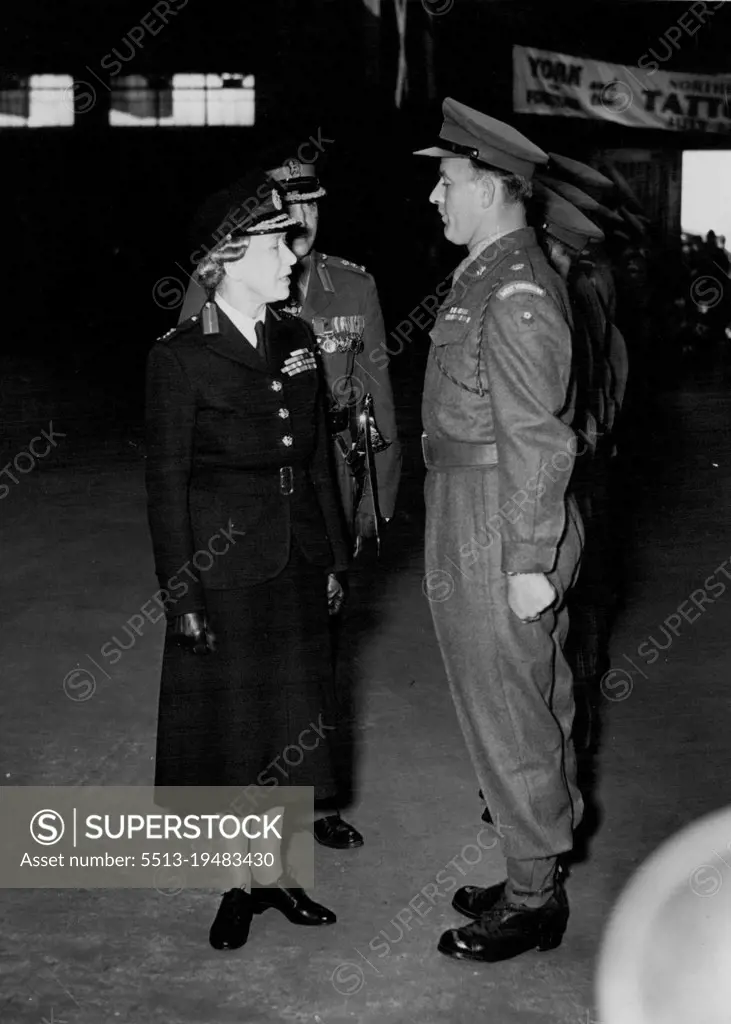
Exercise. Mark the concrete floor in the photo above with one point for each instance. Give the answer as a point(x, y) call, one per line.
point(77, 564)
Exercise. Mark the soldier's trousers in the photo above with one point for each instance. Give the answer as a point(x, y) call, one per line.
point(511, 685)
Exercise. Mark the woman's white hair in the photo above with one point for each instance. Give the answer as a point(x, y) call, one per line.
point(211, 271)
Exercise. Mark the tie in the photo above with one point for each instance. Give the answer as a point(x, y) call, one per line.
point(261, 343)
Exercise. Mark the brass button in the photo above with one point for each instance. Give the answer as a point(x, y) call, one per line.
point(283, 413)
point(288, 440)
point(276, 385)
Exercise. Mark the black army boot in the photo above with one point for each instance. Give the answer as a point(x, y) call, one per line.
point(507, 929)
point(475, 900)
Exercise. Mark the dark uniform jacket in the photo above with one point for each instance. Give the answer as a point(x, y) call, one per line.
point(337, 288)
point(592, 370)
point(222, 426)
point(499, 371)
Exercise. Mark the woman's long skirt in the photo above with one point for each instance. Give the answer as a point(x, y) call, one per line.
point(262, 707)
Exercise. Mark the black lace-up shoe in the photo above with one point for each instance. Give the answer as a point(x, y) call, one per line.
point(230, 930)
point(336, 833)
point(508, 929)
point(293, 902)
point(474, 900)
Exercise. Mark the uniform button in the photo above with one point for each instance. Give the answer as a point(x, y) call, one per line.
point(283, 413)
point(276, 385)
point(288, 440)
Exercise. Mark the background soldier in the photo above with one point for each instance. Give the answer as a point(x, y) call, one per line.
point(499, 451)
point(565, 232)
point(340, 302)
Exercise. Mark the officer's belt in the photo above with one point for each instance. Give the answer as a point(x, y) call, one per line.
point(444, 454)
point(286, 476)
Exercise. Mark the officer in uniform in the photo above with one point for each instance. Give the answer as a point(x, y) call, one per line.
point(503, 541)
point(238, 467)
point(339, 300)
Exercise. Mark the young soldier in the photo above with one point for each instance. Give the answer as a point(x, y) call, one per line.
point(502, 540)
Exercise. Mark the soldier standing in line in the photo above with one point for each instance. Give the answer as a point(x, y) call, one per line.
point(499, 450)
point(565, 233)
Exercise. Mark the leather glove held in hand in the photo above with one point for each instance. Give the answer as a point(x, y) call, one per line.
point(192, 632)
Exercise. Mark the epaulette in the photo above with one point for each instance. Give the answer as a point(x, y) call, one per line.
point(340, 262)
point(179, 328)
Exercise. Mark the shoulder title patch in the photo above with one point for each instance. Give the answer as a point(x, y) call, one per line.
point(520, 286)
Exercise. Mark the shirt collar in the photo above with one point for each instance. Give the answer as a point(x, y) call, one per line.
point(245, 324)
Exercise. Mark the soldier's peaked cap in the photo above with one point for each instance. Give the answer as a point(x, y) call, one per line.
point(562, 219)
point(299, 180)
point(581, 199)
point(468, 133)
point(598, 185)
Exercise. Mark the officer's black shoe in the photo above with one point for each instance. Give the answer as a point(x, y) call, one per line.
point(336, 833)
point(293, 902)
point(474, 900)
point(230, 929)
point(509, 929)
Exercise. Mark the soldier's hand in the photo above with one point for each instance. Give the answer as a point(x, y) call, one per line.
point(193, 633)
point(529, 594)
point(365, 525)
point(335, 594)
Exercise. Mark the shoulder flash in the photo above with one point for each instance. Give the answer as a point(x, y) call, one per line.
point(519, 286)
point(179, 328)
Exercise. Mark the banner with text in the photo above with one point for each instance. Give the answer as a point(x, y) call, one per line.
point(545, 82)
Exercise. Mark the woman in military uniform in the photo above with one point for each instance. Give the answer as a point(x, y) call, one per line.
point(246, 532)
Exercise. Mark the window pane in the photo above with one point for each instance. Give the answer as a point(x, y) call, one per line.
point(189, 106)
point(48, 99)
point(184, 100)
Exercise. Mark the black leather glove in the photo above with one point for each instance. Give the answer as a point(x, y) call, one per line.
point(192, 632)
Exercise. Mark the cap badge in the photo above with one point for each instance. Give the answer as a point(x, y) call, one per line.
point(276, 200)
